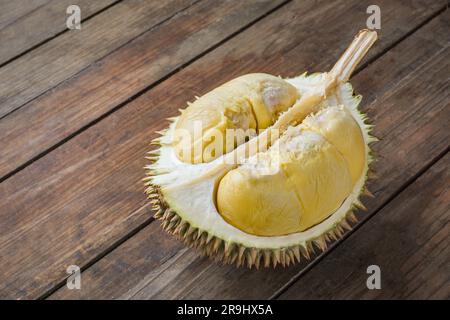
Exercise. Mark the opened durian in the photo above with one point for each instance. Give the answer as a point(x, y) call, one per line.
point(260, 169)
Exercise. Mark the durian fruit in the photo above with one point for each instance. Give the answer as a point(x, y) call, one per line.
point(272, 196)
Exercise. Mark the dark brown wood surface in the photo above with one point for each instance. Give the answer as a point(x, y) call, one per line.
point(78, 110)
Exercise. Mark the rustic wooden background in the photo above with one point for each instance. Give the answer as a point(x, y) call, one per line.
point(78, 109)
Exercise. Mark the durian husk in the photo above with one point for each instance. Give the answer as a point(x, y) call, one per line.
point(241, 254)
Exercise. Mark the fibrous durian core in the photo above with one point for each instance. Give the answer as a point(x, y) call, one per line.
point(288, 179)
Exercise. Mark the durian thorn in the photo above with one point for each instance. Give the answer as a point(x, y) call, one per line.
point(158, 214)
point(257, 261)
point(287, 261)
point(199, 237)
point(332, 235)
point(209, 238)
point(345, 224)
point(360, 205)
point(306, 253)
point(241, 252)
point(296, 251)
point(175, 218)
point(283, 257)
point(276, 257)
point(228, 248)
point(190, 231)
point(266, 257)
point(253, 253)
point(249, 259)
point(310, 249)
point(292, 255)
point(320, 242)
point(367, 192)
point(351, 216)
point(153, 196)
point(233, 257)
point(154, 152)
point(216, 245)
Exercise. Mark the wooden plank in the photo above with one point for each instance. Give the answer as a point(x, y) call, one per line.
point(187, 275)
point(13, 10)
point(54, 116)
point(40, 70)
point(221, 20)
point(103, 86)
point(408, 240)
point(39, 23)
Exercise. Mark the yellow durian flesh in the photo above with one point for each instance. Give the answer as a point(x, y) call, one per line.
point(338, 126)
point(300, 181)
point(249, 102)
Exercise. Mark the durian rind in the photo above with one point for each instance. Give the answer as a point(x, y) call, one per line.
point(209, 232)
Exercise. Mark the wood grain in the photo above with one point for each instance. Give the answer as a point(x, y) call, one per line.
point(40, 70)
point(111, 81)
point(185, 275)
point(39, 23)
point(126, 204)
point(13, 10)
point(408, 240)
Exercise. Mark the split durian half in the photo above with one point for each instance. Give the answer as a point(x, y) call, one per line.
point(288, 181)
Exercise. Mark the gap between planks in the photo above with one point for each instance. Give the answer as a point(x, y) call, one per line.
point(319, 258)
point(151, 219)
point(134, 96)
point(50, 38)
point(413, 258)
point(94, 62)
point(187, 63)
point(141, 216)
point(399, 40)
point(360, 223)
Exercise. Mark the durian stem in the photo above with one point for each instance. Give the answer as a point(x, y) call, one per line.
point(347, 63)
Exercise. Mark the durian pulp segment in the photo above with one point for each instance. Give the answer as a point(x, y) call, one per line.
point(249, 102)
point(297, 183)
point(195, 203)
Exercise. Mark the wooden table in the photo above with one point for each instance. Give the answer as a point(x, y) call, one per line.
point(78, 109)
